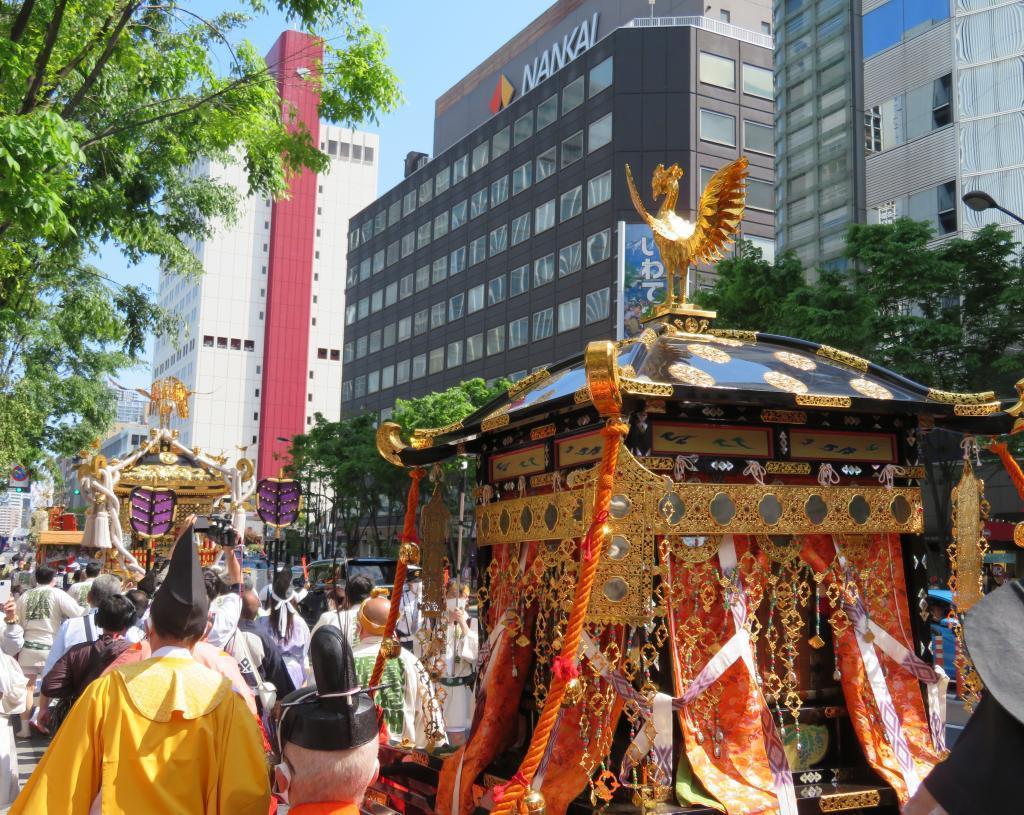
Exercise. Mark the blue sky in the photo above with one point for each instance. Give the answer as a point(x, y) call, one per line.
point(432, 45)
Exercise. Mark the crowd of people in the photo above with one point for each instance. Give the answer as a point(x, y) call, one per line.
point(192, 672)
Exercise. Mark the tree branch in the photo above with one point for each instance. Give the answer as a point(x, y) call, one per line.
point(21, 21)
point(101, 62)
point(66, 71)
point(43, 57)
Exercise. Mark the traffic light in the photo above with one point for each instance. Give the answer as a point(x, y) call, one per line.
point(76, 491)
point(18, 489)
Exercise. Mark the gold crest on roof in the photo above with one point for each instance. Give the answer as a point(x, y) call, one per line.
point(682, 242)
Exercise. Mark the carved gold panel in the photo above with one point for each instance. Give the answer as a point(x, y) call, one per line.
point(434, 521)
point(844, 801)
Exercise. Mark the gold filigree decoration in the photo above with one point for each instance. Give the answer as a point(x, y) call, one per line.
point(798, 361)
point(784, 416)
point(601, 364)
point(647, 337)
point(709, 352)
point(953, 398)
point(556, 516)
point(689, 375)
point(424, 437)
point(916, 471)
point(581, 396)
point(657, 462)
point(527, 382)
point(787, 468)
point(784, 382)
point(544, 480)
point(434, 522)
point(872, 390)
point(545, 431)
point(639, 387)
point(984, 409)
point(494, 422)
point(823, 400)
point(734, 334)
point(843, 801)
point(843, 358)
point(627, 371)
point(968, 547)
point(389, 442)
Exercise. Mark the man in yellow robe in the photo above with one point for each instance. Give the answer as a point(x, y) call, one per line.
point(165, 736)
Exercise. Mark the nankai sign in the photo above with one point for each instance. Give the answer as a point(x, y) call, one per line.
point(559, 54)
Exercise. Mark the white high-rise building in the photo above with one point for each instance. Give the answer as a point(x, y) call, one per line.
point(262, 339)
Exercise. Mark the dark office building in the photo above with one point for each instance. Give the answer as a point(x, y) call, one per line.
point(500, 254)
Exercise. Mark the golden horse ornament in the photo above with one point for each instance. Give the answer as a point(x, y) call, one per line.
point(681, 242)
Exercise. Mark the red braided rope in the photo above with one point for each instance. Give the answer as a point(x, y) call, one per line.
point(590, 556)
point(408, 535)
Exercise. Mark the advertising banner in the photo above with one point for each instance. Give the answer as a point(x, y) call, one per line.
point(641, 276)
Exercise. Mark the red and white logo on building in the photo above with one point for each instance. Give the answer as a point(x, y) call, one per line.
point(503, 93)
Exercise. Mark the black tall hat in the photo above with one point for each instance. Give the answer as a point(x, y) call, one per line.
point(180, 606)
point(336, 714)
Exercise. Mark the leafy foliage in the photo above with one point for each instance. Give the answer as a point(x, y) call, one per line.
point(106, 106)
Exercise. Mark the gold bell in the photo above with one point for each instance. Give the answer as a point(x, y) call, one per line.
point(390, 647)
point(409, 553)
point(534, 803)
point(573, 692)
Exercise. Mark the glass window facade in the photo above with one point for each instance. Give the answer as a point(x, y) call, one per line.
point(716, 70)
point(718, 127)
point(899, 20)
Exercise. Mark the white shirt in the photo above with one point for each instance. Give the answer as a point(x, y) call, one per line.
point(226, 611)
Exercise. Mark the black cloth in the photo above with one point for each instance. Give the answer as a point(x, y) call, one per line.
point(272, 668)
point(980, 775)
point(82, 663)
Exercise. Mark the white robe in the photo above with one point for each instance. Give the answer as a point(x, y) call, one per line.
point(461, 651)
point(12, 700)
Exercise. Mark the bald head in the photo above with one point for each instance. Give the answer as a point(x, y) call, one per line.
point(250, 605)
point(373, 617)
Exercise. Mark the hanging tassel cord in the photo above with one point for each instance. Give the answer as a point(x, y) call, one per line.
point(1012, 467)
point(507, 796)
point(408, 535)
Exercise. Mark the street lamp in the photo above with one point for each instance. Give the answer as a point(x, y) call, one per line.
point(980, 201)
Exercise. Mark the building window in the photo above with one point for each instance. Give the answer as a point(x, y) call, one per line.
point(477, 250)
point(520, 228)
point(389, 337)
point(518, 332)
point(364, 307)
point(439, 270)
point(718, 71)
point(408, 244)
point(499, 191)
point(569, 315)
point(426, 191)
point(402, 372)
point(522, 177)
point(423, 278)
point(572, 95)
point(726, 16)
point(475, 299)
point(598, 305)
point(372, 383)
point(423, 235)
point(570, 204)
point(496, 290)
point(758, 137)
point(408, 203)
point(442, 180)
point(599, 247)
point(436, 360)
point(441, 225)
point(457, 261)
point(478, 203)
point(760, 194)
point(387, 377)
point(758, 81)
point(599, 189)
point(599, 133)
point(405, 286)
point(321, 353)
point(543, 270)
point(456, 306)
point(547, 112)
point(570, 259)
point(459, 214)
point(249, 345)
point(899, 20)
point(394, 213)
point(378, 262)
point(404, 329)
point(419, 366)
point(546, 164)
point(496, 339)
point(375, 337)
point(208, 340)
point(361, 347)
point(519, 280)
point(522, 129)
point(718, 127)
point(455, 354)
point(364, 270)
point(437, 315)
point(480, 156)
point(460, 169)
point(572, 148)
point(544, 217)
point(420, 321)
point(350, 315)
point(600, 77)
point(499, 240)
point(392, 256)
point(474, 347)
point(360, 388)
point(390, 294)
point(543, 324)
point(499, 143)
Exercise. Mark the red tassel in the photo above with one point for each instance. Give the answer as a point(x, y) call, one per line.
point(564, 668)
point(499, 791)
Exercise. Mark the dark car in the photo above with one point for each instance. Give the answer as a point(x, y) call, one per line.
point(380, 570)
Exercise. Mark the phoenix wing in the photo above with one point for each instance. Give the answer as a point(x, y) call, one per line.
point(661, 228)
point(719, 212)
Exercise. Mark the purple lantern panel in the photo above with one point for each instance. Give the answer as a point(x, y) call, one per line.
point(152, 511)
point(277, 501)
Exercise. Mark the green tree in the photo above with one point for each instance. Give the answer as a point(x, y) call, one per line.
point(444, 407)
point(105, 108)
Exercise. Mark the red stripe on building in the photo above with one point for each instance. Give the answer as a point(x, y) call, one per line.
point(290, 268)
